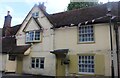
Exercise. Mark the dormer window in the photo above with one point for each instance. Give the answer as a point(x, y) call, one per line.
point(35, 14)
point(33, 36)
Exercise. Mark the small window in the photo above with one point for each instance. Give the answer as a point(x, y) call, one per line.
point(86, 64)
point(35, 14)
point(37, 62)
point(33, 36)
point(12, 57)
point(86, 33)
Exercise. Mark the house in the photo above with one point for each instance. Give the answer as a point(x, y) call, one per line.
point(70, 43)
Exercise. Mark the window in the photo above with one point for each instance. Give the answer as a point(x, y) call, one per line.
point(86, 33)
point(37, 63)
point(86, 64)
point(35, 14)
point(33, 36)
point(12, 57)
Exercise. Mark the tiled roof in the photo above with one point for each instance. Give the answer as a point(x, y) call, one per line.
point(13, 29)
point(81, 15)
point(19, 49)
point(7, 44)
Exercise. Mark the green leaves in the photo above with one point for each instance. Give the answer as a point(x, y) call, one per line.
point(76, 5)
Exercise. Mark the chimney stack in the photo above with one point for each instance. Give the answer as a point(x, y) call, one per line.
point(7, 24)
point(42, 6)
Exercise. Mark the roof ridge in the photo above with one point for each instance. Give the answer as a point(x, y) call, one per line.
point(82, 8)
point(77, 9)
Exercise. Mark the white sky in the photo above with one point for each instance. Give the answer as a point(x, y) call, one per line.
point(22, 7)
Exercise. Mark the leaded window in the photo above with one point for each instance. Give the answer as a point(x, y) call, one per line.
point(86, 33)
point(86, 64)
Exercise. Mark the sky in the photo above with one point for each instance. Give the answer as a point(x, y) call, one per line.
point(20, 8)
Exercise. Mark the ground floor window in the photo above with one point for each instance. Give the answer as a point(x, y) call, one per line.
point(86, 64)
point(12, 57)
point(37, 62)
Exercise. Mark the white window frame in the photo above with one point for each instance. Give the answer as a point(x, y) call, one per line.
point(86, 65)
point(39, 63)
point(32, 39)
point(86, 34)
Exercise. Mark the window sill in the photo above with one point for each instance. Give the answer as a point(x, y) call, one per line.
point(36, 41)
point(38, 68)
point(90, 42)
point(85, 73)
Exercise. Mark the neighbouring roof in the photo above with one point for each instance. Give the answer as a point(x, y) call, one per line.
point(13, 29)
point(9, 46)
point(9, 43)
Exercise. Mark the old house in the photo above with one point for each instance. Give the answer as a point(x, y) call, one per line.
point(69, 43)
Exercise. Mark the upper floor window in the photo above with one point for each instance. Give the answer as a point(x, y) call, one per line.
point(86, 33)
point(86, 64)
point(33, 36)
point(35, 14)
point(37, 62)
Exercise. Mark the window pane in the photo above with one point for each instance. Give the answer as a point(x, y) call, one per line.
point(33, 60)
point(33, 66)
point(37, 35)
point(37, 65)
point(42, 63)
point(33, 63)
point(42, 66)
point(31, 35)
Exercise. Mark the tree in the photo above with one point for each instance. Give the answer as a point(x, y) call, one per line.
point(76, 5)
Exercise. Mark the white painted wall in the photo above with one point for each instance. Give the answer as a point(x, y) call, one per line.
point(49, 68)
point(41, 49)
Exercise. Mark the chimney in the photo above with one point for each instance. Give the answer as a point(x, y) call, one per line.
point(7, 24)
point(42, 6)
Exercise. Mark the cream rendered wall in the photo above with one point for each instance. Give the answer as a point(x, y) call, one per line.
point(3, 58)
point(68, 38)
point(41, 49)
point(31, 24)
point(10, 65)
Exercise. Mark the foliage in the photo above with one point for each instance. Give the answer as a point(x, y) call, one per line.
point(76, 5)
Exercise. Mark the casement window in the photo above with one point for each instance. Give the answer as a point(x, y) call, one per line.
point(33, 36)
point(35, 14)
point(86, 64)
point(86, 33)
point(37, 62)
